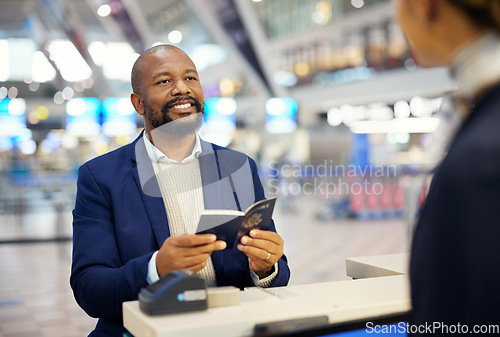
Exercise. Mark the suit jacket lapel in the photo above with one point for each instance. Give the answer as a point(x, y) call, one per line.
point(149, 190)
point(212, 194)
point(210, 177)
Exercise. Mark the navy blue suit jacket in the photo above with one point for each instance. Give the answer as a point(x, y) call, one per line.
point(456, 248)
point(119, 221)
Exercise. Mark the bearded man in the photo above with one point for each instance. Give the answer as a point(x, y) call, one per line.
point(137, 208)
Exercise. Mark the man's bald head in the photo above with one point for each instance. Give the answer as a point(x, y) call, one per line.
point(136, 77)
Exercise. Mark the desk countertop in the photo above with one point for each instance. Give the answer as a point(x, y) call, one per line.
point(340, 301)
point(377, 265)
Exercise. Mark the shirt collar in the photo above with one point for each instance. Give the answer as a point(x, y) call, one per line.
point(476, 66)
point(157, 156)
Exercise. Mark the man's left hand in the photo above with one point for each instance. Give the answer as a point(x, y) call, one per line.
point(264, 249)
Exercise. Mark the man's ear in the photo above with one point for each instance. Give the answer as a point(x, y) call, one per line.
point(137, 103)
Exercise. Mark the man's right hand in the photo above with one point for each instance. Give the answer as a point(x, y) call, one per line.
point(186, 252)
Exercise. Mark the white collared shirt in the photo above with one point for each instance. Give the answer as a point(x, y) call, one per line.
point(477, 65)
point(157, 156)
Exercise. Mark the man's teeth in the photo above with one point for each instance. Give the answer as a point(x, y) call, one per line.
point(182, 106)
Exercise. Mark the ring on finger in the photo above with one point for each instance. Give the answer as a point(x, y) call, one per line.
point(268, 256)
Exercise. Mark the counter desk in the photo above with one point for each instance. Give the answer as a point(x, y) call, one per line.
point(377, 265)
point(340, 301)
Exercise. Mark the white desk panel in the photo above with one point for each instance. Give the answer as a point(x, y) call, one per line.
point(340, 301)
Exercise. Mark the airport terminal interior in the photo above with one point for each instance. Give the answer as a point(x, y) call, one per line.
point(324, 95)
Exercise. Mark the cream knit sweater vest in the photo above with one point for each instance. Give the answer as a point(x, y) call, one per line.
point(182, 192)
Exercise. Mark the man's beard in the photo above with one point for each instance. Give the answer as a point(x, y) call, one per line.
point(180, 127)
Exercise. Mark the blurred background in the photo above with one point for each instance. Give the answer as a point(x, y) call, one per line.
point(324, 95)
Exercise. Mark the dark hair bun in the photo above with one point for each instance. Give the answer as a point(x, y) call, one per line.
point(482, 12)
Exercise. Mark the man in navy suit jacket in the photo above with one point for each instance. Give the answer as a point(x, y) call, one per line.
point(125, 229)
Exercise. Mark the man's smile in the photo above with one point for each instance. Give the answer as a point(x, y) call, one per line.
point(181, 106)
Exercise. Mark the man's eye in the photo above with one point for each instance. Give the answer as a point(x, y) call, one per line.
point(191, 78)
point(163, 81)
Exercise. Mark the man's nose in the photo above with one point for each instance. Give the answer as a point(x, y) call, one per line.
point(180, 88)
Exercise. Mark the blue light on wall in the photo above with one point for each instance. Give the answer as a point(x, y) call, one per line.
point(220, 114)
point(118, 117)
point(6, 143)
point(281, 115)
point(12, 117)
point(220, 120)
point(82, 116)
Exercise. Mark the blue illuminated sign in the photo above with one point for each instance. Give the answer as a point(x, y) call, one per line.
point(220, 114)
point(281, 115)
point(82, 116)
point(119, 117)
point(12, 117)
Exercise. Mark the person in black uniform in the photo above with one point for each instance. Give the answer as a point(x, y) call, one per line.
point(455, 255)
